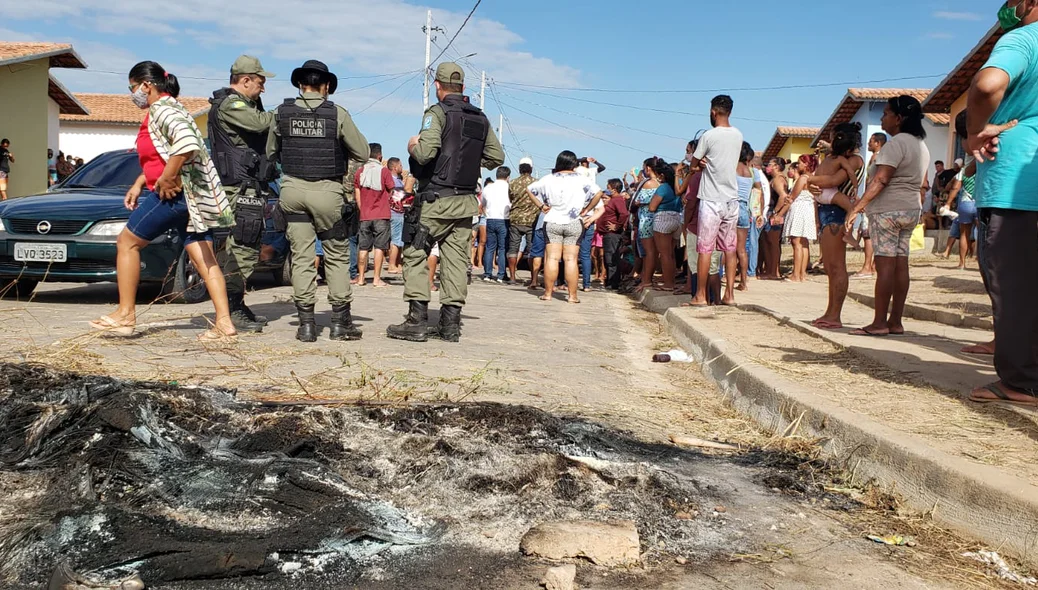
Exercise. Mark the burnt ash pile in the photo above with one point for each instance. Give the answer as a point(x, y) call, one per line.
point(113, 478)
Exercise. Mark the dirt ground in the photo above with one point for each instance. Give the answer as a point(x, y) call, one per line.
point(936, 283)
point(763, 514)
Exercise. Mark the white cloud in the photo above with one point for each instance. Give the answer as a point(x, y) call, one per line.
point(363, 36)
point(939, 36)
point(970, 16)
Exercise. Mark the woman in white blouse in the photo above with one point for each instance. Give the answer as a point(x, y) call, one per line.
point(565, 197)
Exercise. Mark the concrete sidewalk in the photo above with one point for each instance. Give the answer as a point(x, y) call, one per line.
point(891, 409)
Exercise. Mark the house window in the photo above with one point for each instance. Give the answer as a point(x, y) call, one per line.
point(959, 152)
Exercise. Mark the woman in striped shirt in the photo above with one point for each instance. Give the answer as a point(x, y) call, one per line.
point(178, 190)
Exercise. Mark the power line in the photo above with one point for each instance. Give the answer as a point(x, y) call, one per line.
point(653, 110)
point(722, 90)
point(395, 77)
point(390, 93)
point(458, 32)
point(584, 133)
point(560, 111)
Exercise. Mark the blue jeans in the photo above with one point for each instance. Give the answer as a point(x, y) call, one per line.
point(967, 211)
point(354, 271)
point(540, 238)
point(396, 227)
point(745, 219)
point(155, 216)
point(586, 239)
point(753, 248)
point(831, 215)
point(497, 245)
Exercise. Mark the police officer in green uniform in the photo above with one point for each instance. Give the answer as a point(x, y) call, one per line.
point(313, 138)
point(238, 129)
point(455, 142)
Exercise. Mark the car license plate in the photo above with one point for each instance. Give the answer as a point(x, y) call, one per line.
point(41, 252)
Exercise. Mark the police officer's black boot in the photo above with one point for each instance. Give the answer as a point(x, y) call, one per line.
point(343, 327)
point(307, 331)
point(240, 317)
point(259, 319)
point(416, 324)
point(450, 323)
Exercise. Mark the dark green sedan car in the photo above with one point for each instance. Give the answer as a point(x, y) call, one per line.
point(68, 235)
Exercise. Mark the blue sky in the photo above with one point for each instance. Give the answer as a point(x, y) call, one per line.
point(570, 47)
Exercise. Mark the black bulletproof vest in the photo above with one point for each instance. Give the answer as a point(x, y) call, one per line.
point(310, 145)
point(464, 136)
point(233, 163)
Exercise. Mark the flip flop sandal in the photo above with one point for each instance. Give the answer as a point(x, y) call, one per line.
point(864, 332)
point(1002, 397)
point(827, 325)
point(217, 336)
point(977, 349)
point(109, 326)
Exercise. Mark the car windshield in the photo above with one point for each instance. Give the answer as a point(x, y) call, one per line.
point(113, 170)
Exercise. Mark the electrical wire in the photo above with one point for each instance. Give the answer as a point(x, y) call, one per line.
point(458, 32)
point(578, 131)
point(390, 93)
point(560, 111)
point(654, 110)
point(723, 90)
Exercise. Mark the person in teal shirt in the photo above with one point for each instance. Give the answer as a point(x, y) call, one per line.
point(1002, 123)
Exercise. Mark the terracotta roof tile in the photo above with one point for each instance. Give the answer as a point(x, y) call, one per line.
point(782, 134)
point(117, 108)
point(67, 102)
point(856, 97)
point(958, 81)
point(61, 54)
point(887, 93)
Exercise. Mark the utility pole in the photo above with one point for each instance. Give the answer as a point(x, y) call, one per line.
point(428, 56)
point(482, 90)
point(429, 29)
point(501, 129)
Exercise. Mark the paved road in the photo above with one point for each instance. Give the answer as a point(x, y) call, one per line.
point(590, 360)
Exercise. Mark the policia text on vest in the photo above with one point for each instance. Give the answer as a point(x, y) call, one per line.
point(238, 129)
point(455, 141)
point(313, 138)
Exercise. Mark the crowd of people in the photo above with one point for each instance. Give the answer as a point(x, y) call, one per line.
point(717, 219)
point(61, 166)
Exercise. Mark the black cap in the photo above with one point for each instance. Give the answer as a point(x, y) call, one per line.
point(312, 65)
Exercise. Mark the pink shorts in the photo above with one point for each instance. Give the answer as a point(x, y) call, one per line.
point(596, 242)
point(717, 226)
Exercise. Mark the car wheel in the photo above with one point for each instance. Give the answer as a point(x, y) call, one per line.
point(283, 276)
point(18, 289)
point(188, 284)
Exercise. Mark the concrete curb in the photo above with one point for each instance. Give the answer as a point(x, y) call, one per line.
point(978, 501)
point(929, 314)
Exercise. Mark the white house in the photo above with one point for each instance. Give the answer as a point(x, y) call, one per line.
point(865, 106)
point(112, 124)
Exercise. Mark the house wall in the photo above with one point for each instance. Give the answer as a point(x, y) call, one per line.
point(88, 140)
point(203, 124)
point(869, 116)
point(795, 147)
point(53, 124)
point(937, 142)
point(24, 108)
point(953, 149)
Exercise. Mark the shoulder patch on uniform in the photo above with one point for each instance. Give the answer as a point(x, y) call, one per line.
point(427, 123)
point(238, 104)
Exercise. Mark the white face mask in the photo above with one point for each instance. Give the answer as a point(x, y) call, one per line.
point(140, 97)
